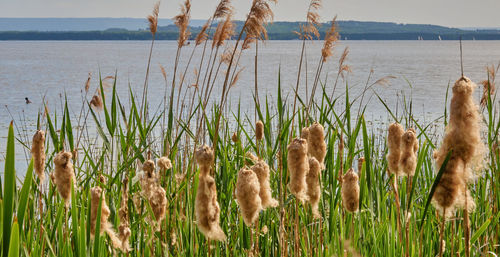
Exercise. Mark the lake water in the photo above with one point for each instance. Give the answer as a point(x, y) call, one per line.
point(35, 69)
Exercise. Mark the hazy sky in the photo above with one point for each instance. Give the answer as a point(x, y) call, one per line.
point(454, 13)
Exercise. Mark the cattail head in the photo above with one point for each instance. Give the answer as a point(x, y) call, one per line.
point(331, 38)
point(313, 185)
point(463, 138)
point(298, 166)
point(304, 133)
point(361, 160)
point(153, 18)
point(164, 163)
point(409, 148)
point(96, 102)
point(350, 191)
point(247, 194)
point(259, 130)
point(261, 169)
point(394, 137)
point(63, 175)
point(207, 209)
point(235, 138)
point(149, 167)
point(96, 197)
point(38, 152)
point(205, 158)
point(158, 202)
point(182, 23)
point(316, 143)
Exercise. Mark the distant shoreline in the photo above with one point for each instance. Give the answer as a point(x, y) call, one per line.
point(145, 35)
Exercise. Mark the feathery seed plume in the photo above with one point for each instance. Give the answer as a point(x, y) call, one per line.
point(182, 23)
point(153, 18)
point(96, 102)
point(331, 37)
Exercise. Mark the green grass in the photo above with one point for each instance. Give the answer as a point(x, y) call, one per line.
point(123, 139)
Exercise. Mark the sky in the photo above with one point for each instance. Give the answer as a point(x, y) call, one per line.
point(451, 13)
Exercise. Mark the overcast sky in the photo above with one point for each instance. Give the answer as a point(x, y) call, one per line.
point(453, 13)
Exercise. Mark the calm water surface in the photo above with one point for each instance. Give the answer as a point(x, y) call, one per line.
point(50, 69)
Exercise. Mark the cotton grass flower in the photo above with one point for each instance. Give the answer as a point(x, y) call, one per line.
point(261, 169)
point(298, 166)
point(207, 209)
point(394, 138)
point(63, 175)
point(350, 191)
point(38, 153)
point(314, 186)
point(247, 195)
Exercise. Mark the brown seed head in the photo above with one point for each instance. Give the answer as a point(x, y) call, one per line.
point(38, 153)
point(261, 169)
point(394, 138)
point(313, 185)
point(247, 195)
point(207, 209)
point(64, 175)
point(316, 143)
point(350, 191)
point(298, 166)
point(259, 130)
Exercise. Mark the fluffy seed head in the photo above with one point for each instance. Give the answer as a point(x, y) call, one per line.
point(316, 143)
point(96, 102)
point(247, 195)
point(304, 133)
point(97, 196)
point(164, 163)
point(261, 169)
point(409, 150)
point(207, 209)
point(63, 175)
point(158, 202)
point(313, 185)
point(394, 138)
point(38, 152)
point(205, 158)
point(350, 191)
point(298, 166)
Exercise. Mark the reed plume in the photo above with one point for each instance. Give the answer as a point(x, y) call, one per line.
point(202, 35)
point(298, 166)
point(223, 8)
point(489, 84)
point(409, 148)
point(87, 84)
point(260, 15)
point(463, 138)
point(96, 101)
point(394, 138)
point(225, 31)
point(96, 197)
point(124, 231)
point(38, 153)
point(153, 18)
point(313, 185)
point(261, 169)
point(247, 195)
point(331, 37)
point(313, 21)
point(182, 23)
point(350, 191)
point(316, 146)
point(304, 133)
point(63, 175)
point(205, 158)
point(207, 209)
